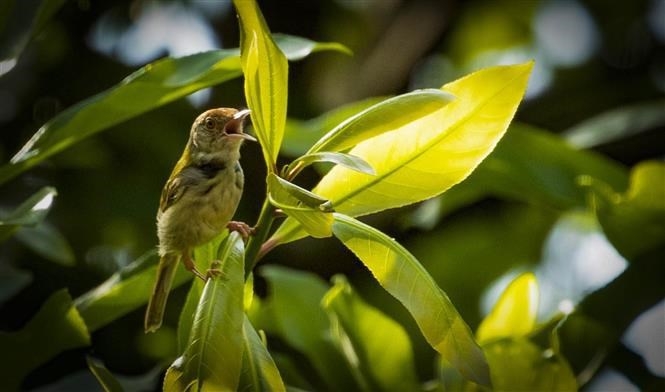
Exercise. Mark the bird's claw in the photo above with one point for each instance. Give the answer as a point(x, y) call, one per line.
point(241, 228)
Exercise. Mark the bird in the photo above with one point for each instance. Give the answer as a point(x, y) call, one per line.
point(199, 199)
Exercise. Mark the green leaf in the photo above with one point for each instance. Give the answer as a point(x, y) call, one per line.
point(12, 281)
point(266, 79)
point(617, 124)
point(259, 372)
point(213, 358)
point(152, 86)
point(300, 135)
point(48, 242)
point(361, 332)
point(404, 278)
point(519, 365)
point(391, 114)
point(634, 221)
point(107, 381)
point(347, 160)
point(298, 48)
point(292, 312)
point(29, 213)
point(312, 211)
point(514, 315)
point(408, 161)
point(55, 328)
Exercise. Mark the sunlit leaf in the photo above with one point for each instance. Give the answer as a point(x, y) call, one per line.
point(213, 358)
point(152, 86)
point(266, 79)
point(617, 124)
point(106, 379)
point(428, 155)
point(300, 135)
point(29, 213)
point(391, 114)
point(362, 333)
point(55, 328)
point(312, 211)
point(292, 312)
point(514, 314)
point(405, 278)
point(259, 372)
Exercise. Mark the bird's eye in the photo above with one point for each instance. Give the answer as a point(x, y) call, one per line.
point(209, 123)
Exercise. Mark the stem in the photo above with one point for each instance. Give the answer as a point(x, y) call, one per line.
point(263, 225)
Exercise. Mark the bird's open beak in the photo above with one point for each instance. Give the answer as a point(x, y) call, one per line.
point(235, 126)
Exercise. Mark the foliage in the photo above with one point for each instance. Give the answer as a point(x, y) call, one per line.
point(441, 149)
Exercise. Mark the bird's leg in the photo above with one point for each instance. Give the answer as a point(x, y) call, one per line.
point(242, 228)
point(191, 267)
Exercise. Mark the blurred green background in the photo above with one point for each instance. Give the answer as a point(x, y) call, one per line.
point(592, 57)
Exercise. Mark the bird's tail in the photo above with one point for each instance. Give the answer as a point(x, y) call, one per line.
point(165, 273)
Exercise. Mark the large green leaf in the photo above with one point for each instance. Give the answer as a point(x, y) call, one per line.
point(405, 278)
point(266, 79)
point(514, 314)
point(47, 241)
point(29, 213)
point(56, 327)
point(152, 86)
point(362, 333)
point(213, 358)
point(259, 372)
point(292, 312)
point(425, 157)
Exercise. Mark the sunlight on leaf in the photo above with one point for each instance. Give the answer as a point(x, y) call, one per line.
point(213, 358)
point(266, 77)
point(55, 328)
point(259, 372)
point(405, 278)
point(428, 155)
point(388, 115)
point(362, 332)
point(514, 314)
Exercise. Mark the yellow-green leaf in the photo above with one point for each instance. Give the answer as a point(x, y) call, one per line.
point(430, 154)
point(385, 116)
point(213, 358)
point(514, 314)
point(406, 279)
point(266, 76)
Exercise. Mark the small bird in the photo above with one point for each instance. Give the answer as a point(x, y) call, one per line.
point(199, 199)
